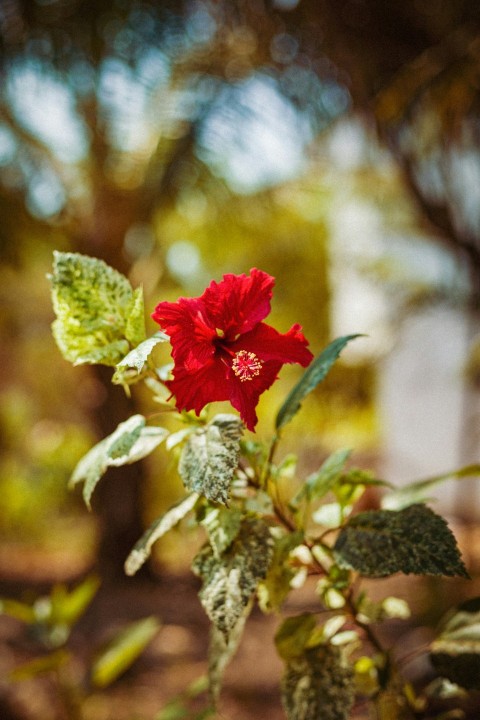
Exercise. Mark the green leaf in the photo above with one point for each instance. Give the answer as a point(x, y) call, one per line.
point(331, 588)
point(160, 393)
point(131, 367)
point(18, 610)
point(123, 650)
point(293, 634)
point(174, 710)
point(455, 653)
point(413, 540)
point(98, 315)
point(222, 650)
point(259, 504)
point(180, 706)
point(135, 325)
point(319, 483)
point(67, 607)
point(392, 703)
point(317, 685)
point(352, 484)
point(222, 526)
point(230, 580)
point(131, 441)
point(178, 710)
point(149, 438)
point(274, 589)
point(371, 611)
point(38, 666)
point(419, 491)
point(366, 677)
point(287, 468)
point(210, 457)
point(142, 549)
point(313, 375)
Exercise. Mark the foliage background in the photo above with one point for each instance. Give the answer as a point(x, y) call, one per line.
point(332, 144)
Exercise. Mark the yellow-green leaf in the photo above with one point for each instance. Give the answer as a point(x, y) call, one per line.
point(99, 317)
point(67, 607)
point(123, 650)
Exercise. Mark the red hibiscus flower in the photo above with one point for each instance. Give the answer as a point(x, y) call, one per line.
point(221, 348)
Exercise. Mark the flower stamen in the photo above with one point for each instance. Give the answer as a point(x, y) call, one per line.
point(246, 365)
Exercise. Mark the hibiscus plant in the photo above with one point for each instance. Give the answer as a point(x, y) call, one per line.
point(261, 541)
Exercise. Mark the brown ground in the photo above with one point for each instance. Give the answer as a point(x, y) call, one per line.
point(177, 655)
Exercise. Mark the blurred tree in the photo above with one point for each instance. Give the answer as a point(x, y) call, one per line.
point(105, 110)
point(109, 111)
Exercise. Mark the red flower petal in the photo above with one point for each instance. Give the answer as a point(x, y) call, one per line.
point(244, 396)
point(268, 344)
point(194, 390)
point(216, 382)
point(190, 333)
point(238, 303)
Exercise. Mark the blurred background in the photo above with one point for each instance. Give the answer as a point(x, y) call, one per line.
point(334, 144)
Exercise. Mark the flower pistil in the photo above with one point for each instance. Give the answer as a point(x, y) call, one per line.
point(246, 365)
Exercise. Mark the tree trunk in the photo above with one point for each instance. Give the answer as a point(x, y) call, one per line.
point(117, 500)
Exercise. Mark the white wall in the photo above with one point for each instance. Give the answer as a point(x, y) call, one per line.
point(422, 406)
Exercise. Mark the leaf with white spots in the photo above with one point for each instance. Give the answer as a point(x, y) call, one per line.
point(99, 317)
point(222, 650)
point(131, 367)
point(414, 540)
point(210, 457)
point(131, 441)
point(455, 653)
point(318, 684)
point(157, 529)
point(222, 526)
point(230, 579)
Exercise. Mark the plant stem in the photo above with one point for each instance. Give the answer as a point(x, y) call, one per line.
point(372, 638)
point(70, 695)
point(266, 472)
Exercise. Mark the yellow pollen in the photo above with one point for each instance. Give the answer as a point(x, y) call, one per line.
point(246, 365)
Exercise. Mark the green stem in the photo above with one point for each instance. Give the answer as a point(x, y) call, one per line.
point(267, 468)
point(353, 610)
point(371, 636)
point(287, 522)
point(389, 676)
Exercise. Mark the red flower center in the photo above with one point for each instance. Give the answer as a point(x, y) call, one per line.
point(246, 365)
